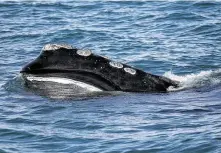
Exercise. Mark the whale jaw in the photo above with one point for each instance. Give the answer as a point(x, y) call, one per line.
point(81, 85)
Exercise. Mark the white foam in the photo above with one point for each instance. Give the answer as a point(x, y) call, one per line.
point(192, 80)
point(64, 81)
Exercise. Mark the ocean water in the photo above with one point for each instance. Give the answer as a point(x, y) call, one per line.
point(177, 39)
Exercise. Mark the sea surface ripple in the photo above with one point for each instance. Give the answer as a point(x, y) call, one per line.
point(177, 39)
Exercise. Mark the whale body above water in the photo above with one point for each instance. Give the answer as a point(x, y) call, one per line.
point(71, 66)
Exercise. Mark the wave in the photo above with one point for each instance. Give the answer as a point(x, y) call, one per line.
point(43, 1)
point(34, 3)
point(14, 85)
point(195, 80)
point(204, 2)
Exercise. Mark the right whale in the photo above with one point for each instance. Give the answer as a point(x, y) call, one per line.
point(88, 70)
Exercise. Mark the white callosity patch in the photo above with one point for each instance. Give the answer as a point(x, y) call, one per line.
point(130, 70)
point(116, 64)
point(84, 52)
point(64, 81)
point(56, 47)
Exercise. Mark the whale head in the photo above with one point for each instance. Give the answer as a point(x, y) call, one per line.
point(64, 61)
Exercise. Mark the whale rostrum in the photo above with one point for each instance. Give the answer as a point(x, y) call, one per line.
point(65, 61)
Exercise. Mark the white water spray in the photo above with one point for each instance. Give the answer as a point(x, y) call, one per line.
point(203, 78)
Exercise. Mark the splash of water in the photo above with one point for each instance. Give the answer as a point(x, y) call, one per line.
point(195, 80)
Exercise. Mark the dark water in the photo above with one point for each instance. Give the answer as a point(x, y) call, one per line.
point(178, 39)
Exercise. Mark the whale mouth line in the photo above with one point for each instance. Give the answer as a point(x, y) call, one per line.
point(65, 81)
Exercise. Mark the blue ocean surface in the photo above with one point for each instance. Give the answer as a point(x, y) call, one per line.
point(177, 39)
